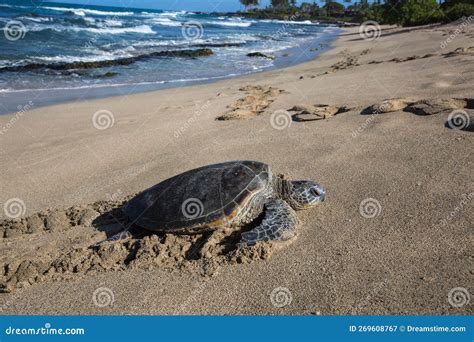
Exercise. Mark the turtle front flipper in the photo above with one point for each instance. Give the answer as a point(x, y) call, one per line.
point(280, 224)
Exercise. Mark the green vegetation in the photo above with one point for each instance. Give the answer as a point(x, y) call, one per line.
point(456, 9)
point(399, 12)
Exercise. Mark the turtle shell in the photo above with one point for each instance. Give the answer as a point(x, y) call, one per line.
point(201, 199)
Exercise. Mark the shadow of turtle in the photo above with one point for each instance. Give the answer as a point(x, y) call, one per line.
point(114, 221)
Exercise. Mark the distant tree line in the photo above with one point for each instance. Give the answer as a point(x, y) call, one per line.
point(400, 12)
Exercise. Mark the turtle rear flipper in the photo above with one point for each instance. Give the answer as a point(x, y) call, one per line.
point(126, 234)
point(279, 224)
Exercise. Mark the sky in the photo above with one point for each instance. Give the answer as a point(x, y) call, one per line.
point(189, 5)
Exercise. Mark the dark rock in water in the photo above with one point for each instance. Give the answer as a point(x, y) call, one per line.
point(204, 45)
point(259, 54)
point(110, 63)
point(108, 74)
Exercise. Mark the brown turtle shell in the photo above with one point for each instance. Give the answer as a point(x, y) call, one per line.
point(201, 199)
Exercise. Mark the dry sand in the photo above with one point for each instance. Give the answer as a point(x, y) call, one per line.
point(415, 172)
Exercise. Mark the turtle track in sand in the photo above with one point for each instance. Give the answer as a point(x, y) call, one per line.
point(310, 112)
point(461, 110)
point(419, 107)
point(63, 244)
point(256, 101)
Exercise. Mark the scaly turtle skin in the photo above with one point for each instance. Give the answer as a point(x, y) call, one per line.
point(229, 194)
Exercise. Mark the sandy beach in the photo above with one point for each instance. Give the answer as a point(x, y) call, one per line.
point(402, 253)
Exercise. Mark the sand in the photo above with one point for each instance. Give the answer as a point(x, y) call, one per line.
point(394, 235)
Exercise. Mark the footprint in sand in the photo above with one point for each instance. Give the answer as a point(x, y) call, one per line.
point(419, 107)
point(461, 109)
point(457, 52)
point(387, 106)
point(309, 112)
point(257, 99)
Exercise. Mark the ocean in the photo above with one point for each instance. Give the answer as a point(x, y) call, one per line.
point(59, 52)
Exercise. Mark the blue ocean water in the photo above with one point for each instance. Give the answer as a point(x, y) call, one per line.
point(52, 34)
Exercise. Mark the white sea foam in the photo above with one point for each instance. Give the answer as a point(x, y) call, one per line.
point(201, 79)
point(36, 19)
point(228, 23)
point(99, 56)
point(289, 22)
point(164, 22)
point(144, 29)
point(83, 11)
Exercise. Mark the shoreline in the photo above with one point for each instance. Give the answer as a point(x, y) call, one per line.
point(403, 258)
point(12, 99)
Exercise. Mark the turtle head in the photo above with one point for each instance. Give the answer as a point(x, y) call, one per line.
point(304, 194)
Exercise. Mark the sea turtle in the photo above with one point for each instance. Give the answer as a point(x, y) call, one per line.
point(229, 194)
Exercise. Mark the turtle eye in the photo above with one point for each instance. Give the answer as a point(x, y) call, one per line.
point(317, 192)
